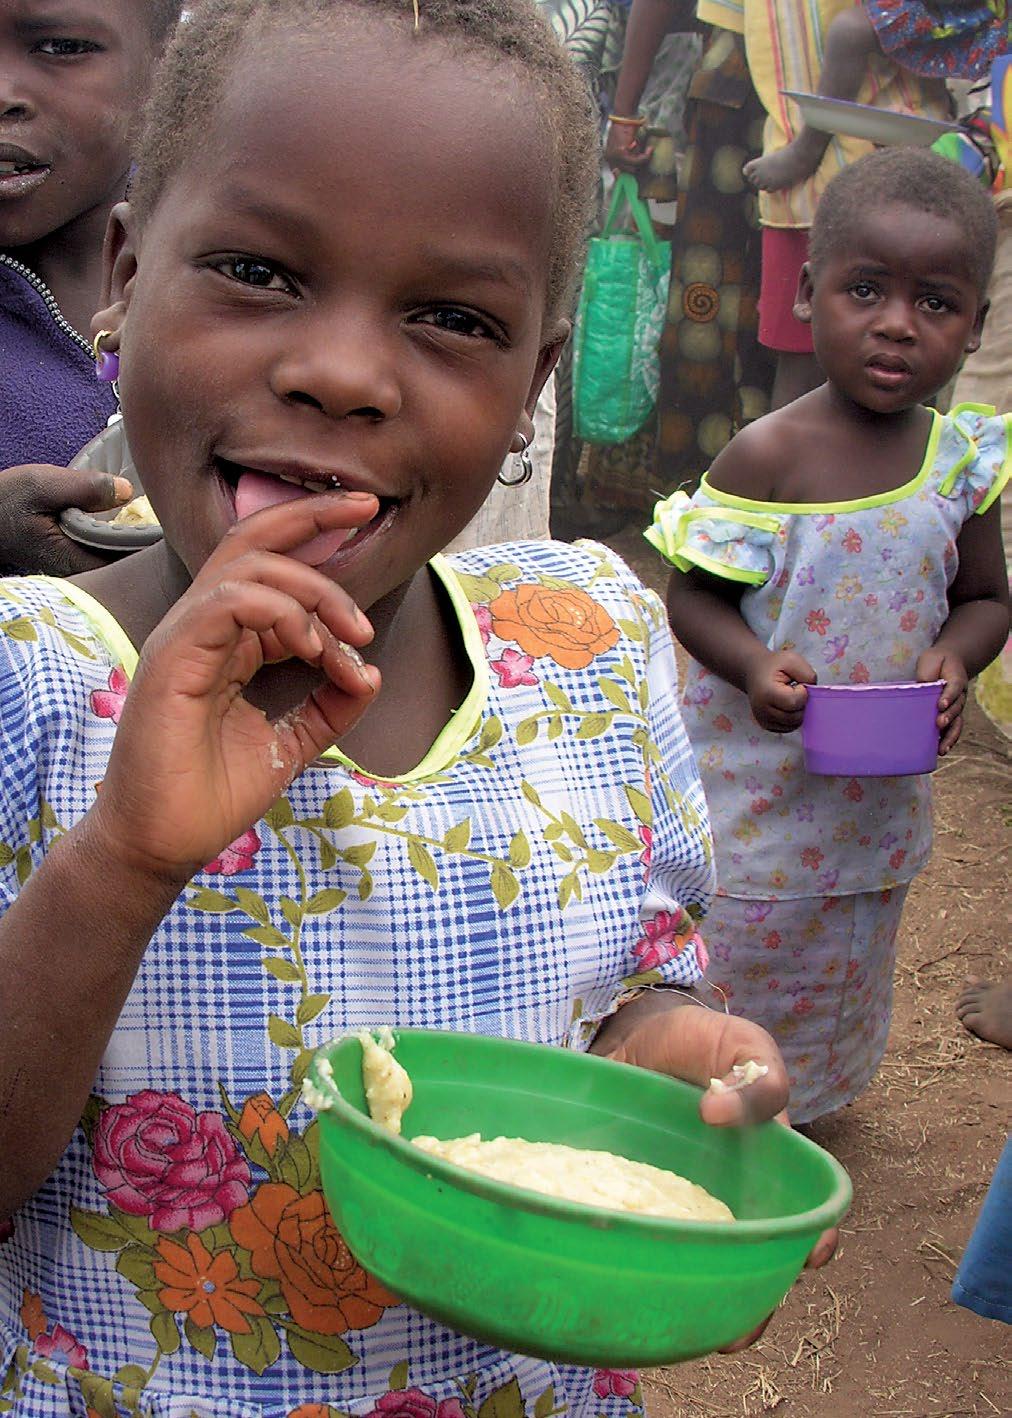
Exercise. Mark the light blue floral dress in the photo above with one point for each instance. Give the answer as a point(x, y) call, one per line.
point(550, 853)
point(812, 870)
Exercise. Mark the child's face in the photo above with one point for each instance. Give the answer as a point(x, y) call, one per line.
point(347, 282)
point(894, 311)
point(72, 77)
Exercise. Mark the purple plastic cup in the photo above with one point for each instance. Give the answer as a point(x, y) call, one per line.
point(871, 730)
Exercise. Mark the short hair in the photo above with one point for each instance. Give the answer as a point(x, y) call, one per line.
point(192, 74)
point(163, 16)
point(906, 177)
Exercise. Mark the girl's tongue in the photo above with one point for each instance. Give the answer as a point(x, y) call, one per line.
point(255, 491)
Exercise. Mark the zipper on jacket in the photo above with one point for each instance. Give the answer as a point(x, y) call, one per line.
point(49, 300)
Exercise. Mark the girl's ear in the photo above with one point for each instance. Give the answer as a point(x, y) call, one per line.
point(977, 333)
point(119, 267)
point(803, 298)
point(548, 358)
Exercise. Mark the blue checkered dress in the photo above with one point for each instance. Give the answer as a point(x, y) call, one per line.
point(553, 853)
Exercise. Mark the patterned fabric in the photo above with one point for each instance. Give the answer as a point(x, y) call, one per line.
point(180, 1260)
point(817, 972)
point(582, 27)
point(715, 376)
point(941, 41)
point(860, 590)
point(785, 40)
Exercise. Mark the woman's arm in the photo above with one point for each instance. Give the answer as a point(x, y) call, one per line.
point(649, 22)
point(978, 622)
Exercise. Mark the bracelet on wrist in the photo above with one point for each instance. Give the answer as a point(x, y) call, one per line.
point(633, 122)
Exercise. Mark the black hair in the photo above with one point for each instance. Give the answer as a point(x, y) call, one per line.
point(163, 16)
point(192, 76)
point(906, 177)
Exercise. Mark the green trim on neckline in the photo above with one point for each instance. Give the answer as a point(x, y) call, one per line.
point(859, 504)
point(106, 627)
point(448, 742)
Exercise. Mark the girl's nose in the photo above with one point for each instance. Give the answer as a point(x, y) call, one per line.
point(16, 102)
point(343, 368)
point(896, 319)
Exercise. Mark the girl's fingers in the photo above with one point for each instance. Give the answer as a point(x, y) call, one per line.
point(288, 525)
point(325, 716)
point(320, 596)
point(203, 640)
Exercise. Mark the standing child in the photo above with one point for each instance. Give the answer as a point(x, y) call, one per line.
point(335, 293)
point(853, 538)
point(72, 83)
point(937, 41)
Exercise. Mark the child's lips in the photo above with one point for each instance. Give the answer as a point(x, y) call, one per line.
point(252, 489)
point(19, 180)
point(889, 373)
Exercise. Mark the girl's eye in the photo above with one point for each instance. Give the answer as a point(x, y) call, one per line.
point(457, 321)
point(63, 48)
point(248, 271)
point(935, 304)
point(862, 290)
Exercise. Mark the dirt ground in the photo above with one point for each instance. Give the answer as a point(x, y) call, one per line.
point(874, 1334)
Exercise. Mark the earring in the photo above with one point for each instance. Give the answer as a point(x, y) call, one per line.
point(106, 361)
point(526, 466)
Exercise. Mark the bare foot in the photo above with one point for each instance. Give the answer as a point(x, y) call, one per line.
point(790, 165)
point(986, 1010)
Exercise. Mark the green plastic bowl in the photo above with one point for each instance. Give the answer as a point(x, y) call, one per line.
point(553, 1278)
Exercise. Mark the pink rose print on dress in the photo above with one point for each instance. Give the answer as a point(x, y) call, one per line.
point(62, 1346)
point(156, 1157)
point(818, 621)
point(853, 791)
point(812, 857)
point(661, 940)
point(368, 782)
point(616, 1383)
point(108, 703)
point(646, 836)
point(413, 1403)
point(483, 616)
point(237, 856)
point(908, 621)
point(514, 669)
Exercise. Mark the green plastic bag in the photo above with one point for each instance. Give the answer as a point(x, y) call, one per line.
point(617, 333)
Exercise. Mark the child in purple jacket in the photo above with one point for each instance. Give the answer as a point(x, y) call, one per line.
point(70, 96)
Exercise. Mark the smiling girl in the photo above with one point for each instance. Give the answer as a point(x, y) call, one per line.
point(849, 538)
point(340, 283)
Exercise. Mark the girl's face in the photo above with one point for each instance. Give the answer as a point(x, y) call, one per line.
point(72, 76)
point(894, 309)
point(346, 282)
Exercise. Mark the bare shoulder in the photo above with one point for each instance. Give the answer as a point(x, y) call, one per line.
point(753, 463)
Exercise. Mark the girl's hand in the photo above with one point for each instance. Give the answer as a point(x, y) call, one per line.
point(775, 684)
point(697, 1044)
point(943, 664)
point(194, 764)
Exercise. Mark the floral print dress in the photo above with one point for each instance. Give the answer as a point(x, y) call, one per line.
point(812, 870)
point(549, 854)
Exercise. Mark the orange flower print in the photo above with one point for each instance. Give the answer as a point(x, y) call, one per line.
point(33, 1317)
point(292, 1239)
point(564, 624)
point(207, 1288)
point(311, 1410)
point(261, 1119)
